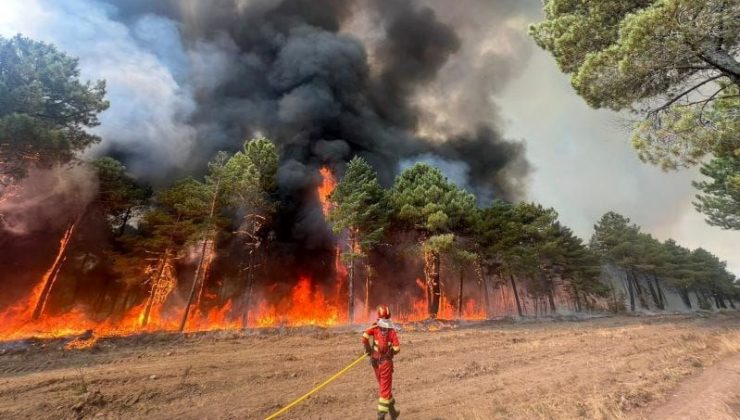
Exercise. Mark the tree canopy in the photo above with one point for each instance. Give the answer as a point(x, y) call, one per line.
point(425, 201)
point(673, 63)
point(45, 110)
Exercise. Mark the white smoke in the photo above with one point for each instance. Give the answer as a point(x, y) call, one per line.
point(142, 65)
point(47, 199)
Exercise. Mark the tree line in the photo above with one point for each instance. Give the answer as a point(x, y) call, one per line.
point(514, 242)
point(46, 110)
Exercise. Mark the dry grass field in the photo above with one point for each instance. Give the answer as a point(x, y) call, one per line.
point(622, 367)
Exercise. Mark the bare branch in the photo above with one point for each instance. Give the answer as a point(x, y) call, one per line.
point(684, 93)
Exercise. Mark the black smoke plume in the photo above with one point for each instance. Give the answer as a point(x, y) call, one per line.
point(290, 70)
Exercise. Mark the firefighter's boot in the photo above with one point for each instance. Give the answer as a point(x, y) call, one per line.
point(381, 415)
point(392, 411)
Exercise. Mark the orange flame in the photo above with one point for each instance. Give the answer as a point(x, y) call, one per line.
point(306, 304)
point(328, 183)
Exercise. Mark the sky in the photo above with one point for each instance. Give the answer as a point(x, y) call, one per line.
point(581, 161)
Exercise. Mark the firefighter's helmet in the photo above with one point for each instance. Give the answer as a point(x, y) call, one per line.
point(384, 312)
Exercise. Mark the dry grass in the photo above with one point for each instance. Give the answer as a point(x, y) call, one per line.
point(601, 369)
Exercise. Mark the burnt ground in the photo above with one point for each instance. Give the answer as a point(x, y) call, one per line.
point(621, 367)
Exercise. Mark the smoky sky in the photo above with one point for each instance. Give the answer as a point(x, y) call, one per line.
point(286, 69)
point(392, 81)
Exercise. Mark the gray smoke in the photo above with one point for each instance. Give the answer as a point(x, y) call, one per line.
point(387, 80)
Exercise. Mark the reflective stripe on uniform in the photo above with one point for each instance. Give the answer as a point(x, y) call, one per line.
point(382, 400)
point(383, 408)
point(365, 336)
point(396, 348)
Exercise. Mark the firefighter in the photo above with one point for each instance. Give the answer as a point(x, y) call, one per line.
point(381, 344)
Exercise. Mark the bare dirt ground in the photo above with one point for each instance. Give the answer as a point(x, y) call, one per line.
point(714, 394)
point(624, 367)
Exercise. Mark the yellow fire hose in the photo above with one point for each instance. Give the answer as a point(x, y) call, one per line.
point(309, 393)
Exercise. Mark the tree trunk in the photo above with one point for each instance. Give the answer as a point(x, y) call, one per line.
point(153, 289)
point(351, 282)
point(550, 295)
point(722, 61)
point(660, 291)
point(516, 295)
point(484, 286)
point(122, 228)
point(685, 296)
point(630, 292)
point(577, 300)
point(194, 286)
point(52, 273)
point(721, 299)
point(248, 289)
point(431, 270)
point(654, 295)
point(732, 303)
point(460, 296)
point(368, 283)
point(202, 259)
point(638, 289)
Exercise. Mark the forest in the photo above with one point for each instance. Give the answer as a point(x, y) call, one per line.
point(212, 249)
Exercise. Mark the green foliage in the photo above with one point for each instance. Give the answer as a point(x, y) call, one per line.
point(720, 200)
point(620, 243)
point(360, 205)
point(580, 265)
point(44, 107)
point(440, 243)
point(119, 195)
point(614, 239)
point(175, 217)
point(526, 240)
point(263, 154)
point(424, 200)
point(672, 61)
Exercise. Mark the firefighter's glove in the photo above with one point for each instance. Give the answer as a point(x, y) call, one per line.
point(368, 350)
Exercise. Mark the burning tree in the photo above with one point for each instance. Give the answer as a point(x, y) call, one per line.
point(361, 209)
point(253, 187)
point(117, 196)
point(120, 197)
point(243, 182)
point(424, 201)
point(173, 222)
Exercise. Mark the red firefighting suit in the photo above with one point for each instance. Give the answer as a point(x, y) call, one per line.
point(385, 345)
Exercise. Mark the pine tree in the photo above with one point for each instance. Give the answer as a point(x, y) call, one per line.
point(615, 241)
point(425, 202)
point(720, 200)
point(45, 110)
point(119, 195)
point(173, 221)
point(360, 208)
point(499, 235)
point(252, 194)
point(230, 180)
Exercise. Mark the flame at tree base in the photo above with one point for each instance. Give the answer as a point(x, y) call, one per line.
point(307, 304)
